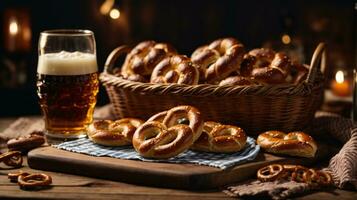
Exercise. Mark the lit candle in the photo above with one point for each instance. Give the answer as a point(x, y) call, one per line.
point(340, 86)
point(13, 30)
point(17, 32)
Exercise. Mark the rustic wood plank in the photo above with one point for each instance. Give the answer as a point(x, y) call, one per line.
point(186, 176)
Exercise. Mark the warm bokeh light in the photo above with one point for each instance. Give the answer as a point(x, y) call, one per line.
point(13, 28)
point(340, 77)
point(286, 39)
point(106, 7)
point(114, 13)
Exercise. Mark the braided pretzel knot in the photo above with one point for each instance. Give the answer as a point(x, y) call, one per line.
point(155, 140)
point(266, 66)
point(144, 57)
point(218, 138)
point(176, 69)
point(294, 143)
point(270, 172)
point(113, 133)
point(168, 133)
point(11, 158)
point(219, 59)
point(33, 181)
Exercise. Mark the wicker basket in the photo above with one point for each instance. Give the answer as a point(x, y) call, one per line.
point(255, 108)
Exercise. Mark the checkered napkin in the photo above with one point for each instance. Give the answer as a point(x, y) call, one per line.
point(219, 160)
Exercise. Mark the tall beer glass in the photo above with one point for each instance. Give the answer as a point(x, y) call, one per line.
point(67, 81)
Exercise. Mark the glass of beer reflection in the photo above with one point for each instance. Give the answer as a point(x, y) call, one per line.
point(67, 81)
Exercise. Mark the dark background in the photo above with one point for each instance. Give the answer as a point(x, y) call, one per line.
point(184, 23)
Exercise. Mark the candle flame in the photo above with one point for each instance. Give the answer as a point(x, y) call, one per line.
point(13, 28)
point(286, 39)
point(340, 77)
point(114, 13)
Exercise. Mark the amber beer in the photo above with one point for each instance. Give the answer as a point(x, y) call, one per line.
point(67, 86)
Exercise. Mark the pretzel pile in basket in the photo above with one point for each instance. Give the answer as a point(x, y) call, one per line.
point(169, 133)
point(298, 173)
point(223, 61)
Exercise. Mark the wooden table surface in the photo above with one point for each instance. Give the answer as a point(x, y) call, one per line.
point(67, 186)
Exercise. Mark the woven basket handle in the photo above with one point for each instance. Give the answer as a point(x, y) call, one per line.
point(113, 56)
point(318, 62)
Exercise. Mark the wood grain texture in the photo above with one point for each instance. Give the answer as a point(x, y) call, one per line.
point(183, 176)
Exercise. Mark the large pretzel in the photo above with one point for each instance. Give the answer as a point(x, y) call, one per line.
point(294, 143)
point(176, 69)
point(218, 59)
point(144, 57)
point(154, 140)
point(185, 114)
point(220, 138)
point(266, 66)
point(113, 133)
point(180, 117)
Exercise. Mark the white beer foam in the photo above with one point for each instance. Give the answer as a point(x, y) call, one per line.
point(67, 63)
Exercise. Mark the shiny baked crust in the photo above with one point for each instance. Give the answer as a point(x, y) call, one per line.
point(293, 144)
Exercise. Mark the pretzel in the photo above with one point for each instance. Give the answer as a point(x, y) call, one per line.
point(113, 133)
point(317, 178)
point(237, 80)
point(159, 117)
point(220, 138)
point(154, 140)
point(135, 78)
point(219, 59)
point(184, 124)
point(266, 66)
point(270, 172)
point(144, 57)
point(188, 115)
point(11, 158)
point(288, 171)
point(175, 69)
point(34, 181)
point(294, 143)
point(185, 115)
point(13, 177)
point(26, 143)
point(297, 173)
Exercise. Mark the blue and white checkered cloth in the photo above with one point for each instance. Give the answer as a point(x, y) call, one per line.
point(219, 160)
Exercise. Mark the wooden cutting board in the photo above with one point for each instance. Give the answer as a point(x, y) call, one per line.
point(184, 176)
